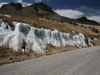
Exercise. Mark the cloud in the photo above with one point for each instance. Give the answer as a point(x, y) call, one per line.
point(24, 4)
point(19, 1)
point(37, 1)
point(90, 13)
point(2, 3)
point(69, 13)
point(95, 18)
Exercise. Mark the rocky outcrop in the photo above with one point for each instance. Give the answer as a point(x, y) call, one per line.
point(19, 6)
point(42, 6)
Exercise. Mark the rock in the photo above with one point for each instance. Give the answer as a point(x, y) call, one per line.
point(19, 6)
point(94, 30)
point(42, 6)
point(12, 4)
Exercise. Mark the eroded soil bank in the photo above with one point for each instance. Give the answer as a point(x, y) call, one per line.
point(8, 55)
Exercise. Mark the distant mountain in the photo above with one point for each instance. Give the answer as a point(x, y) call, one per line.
point(84, 20)
point(39, 10)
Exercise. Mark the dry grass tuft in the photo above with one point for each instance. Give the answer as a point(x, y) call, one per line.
point(8, 55)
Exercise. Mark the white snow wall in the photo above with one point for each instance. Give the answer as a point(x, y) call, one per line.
point(37, 39)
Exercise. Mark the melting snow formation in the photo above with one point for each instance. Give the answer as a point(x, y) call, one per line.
point(37, 39)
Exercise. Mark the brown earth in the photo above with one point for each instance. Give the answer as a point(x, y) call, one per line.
point(8, 55)
point(53, 24)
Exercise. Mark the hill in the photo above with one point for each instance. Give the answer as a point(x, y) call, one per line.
point(84, 20)
point(38, 10)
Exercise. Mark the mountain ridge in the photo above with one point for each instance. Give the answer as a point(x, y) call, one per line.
point(37, 10)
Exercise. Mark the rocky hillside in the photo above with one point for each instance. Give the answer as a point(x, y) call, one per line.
point(43, 21)
point(38, 10)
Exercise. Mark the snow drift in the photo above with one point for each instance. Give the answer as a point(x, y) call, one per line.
point(37, 39)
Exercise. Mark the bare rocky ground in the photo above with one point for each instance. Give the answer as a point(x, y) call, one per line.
point(8, 55)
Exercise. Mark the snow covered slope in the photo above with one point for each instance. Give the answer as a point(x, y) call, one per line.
point(37, 39)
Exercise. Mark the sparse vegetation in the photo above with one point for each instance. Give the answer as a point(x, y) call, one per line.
point(8, 55)
point(94, 30)
point(44, 23)
point(48, 22)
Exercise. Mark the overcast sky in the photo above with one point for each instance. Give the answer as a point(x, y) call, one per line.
point(68, 8)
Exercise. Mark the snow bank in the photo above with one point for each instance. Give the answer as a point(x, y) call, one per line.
point(8, 16)
point(13, 39)
point(89, 42)
point(4, 26)
point(37, 39)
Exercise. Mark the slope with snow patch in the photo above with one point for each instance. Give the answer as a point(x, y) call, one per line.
point(37, 39)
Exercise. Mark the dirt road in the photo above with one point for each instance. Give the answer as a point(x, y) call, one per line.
point(84, 61)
